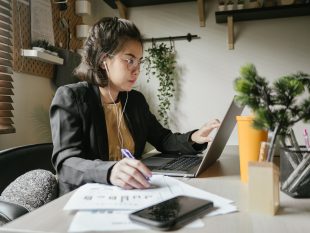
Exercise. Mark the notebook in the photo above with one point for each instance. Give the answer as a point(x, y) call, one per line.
point(193, 165)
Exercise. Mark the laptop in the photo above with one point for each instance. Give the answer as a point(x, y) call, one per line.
point(193, 165)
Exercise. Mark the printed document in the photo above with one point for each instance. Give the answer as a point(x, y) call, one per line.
point(106, 197)
point(100, 205)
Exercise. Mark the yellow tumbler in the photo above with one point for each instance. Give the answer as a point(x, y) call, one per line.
point(249, 143)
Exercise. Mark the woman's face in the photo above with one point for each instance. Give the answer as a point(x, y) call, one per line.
point(124, 67)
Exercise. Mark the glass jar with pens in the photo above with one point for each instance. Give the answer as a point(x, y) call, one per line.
point(295, 171)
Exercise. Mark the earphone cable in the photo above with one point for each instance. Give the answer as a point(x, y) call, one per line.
point(118, 117)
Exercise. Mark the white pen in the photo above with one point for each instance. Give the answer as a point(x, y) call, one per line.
point(305, 173)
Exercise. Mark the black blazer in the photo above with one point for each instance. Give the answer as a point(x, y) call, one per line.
point(81, 150)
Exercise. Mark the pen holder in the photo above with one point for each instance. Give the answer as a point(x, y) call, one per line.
point(263, 187)
point(295, 172)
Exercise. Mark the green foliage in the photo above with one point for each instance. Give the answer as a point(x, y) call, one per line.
point(52, 48)
point(160, 63)
point(278, 106)
point(40, 43)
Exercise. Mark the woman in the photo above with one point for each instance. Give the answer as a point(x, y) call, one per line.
point(94, 119)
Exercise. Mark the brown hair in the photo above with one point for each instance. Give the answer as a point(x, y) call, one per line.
point(106, 38)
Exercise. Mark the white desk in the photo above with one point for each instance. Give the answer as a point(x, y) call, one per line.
point(221, 179)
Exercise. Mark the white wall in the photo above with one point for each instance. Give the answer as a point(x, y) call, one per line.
point(277, 47)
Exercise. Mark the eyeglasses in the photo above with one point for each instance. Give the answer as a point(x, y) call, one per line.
point(132, 63)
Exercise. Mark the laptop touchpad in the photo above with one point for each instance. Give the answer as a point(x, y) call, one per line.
point(156, 162)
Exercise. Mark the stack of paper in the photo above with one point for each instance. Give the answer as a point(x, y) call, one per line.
point(104, 207)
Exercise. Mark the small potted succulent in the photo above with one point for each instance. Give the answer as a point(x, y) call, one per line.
point(230, 5)
point(221, 6)
point(240, 4)
point(39, 45)
point(44, 46)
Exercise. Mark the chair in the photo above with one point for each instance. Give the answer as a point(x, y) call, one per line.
point(27, 180)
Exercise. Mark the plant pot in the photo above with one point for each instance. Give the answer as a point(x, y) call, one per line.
point(230, 7)
point(253, 4)
point(221, 7)
point(249, 140)
point(240, 6)
point(286, 2)
point(38, 49)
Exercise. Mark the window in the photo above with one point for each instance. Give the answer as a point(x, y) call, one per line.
point(6, 71)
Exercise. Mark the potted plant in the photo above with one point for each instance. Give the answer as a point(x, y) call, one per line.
point(44, 46)
point(230, 5)
point(221, 5)
point(275, 107)
point(240, 4)
point(160, 63)
point(40, 45)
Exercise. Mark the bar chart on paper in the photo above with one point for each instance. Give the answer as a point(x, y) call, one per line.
point(94, 196)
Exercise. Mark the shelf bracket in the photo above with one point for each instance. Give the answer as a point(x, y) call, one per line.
point(230, 31)
point(122, 9)
point(201, 12)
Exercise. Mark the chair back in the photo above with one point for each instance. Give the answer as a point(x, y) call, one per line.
point(19, 160)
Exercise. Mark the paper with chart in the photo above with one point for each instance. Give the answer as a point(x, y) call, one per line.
point(106, 197)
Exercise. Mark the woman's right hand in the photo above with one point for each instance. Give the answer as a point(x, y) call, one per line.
point(129, 174)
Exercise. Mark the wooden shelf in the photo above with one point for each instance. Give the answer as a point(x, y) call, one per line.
point(264, 13)
point(122, 6)
point(232, 16)
point(42, 56)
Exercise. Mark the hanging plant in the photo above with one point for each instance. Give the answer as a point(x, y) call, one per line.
point(160, 63)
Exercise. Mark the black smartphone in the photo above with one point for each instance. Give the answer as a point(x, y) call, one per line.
point(172, 213)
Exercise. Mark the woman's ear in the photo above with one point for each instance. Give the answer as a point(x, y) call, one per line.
point(103, 64)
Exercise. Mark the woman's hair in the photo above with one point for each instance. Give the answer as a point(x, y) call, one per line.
point(106, 38)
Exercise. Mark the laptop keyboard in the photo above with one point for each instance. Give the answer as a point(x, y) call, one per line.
point(182, 163)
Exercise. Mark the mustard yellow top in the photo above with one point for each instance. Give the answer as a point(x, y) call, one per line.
point(117, 141)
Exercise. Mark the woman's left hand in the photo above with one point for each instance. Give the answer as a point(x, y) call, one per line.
point(202, 135)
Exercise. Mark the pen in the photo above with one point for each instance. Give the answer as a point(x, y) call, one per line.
point(264, 146)
point(295, 145)
point(305, 173)
point(306, 137)
point(126, 153)
point(296, 173)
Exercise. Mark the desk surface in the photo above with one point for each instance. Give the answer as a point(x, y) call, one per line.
point(221, 179)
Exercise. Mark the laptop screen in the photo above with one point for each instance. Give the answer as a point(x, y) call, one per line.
point(216, 148)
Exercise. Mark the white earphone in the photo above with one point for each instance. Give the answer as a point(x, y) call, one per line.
point(106, 67)
point(118, 117)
